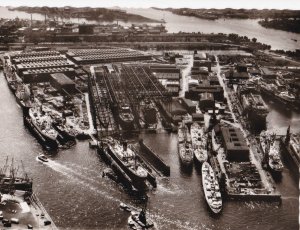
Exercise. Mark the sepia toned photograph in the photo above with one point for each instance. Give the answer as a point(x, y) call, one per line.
point(149, 114)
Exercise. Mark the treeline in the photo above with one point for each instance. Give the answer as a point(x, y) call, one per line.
point(290, 25)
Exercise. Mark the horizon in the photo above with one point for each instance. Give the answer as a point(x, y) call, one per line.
point(192, 4)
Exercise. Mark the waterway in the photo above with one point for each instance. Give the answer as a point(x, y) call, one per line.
point(175, 23)
point(74, 193)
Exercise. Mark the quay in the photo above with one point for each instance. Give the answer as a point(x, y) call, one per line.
point(155, 159)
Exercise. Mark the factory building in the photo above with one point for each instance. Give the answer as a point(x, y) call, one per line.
point(38, 66)
point(169, 76)
point(235, 144)
point(96, 56)
point(62, 83)
point(206, 101)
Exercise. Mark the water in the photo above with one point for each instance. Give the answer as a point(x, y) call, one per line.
point(250, 28)
point(175, 23)
point(74, 193)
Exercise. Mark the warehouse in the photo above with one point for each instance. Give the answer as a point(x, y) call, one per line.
point(62, 83)
point(235, 145)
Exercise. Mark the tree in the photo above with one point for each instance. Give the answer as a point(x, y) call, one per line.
point(254, 39)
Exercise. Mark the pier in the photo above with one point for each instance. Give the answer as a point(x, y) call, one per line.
point(155, 159)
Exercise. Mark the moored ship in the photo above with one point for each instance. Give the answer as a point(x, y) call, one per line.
point(284, 97)
point(253, 105)
point(67, 132)
point(211, 188)
point(126, 118)
point(149, 115)
point(199, 143)
point(40, 125)
point(127, 162)
point(185, 150)
point(271, 151)
point(291, 151)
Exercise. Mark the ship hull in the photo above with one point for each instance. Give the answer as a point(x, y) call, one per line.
point(126, 124)
point(271, 96)
point(138, 182)
point(48, 142)
point(215, 210)
point(65, 135)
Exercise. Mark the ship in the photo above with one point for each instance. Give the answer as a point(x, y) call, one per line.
point(124, 159)
point(126, 118)
point(22, 94)
point(121, 108)
point(253, 105)
point(185, 150)
point(211, 188)
point(291, 151)
point(40, 124)
point(67, 133)
point(10, 182)
point(149, 115)
point(10, 78)
point(199, 143)
point(271, 152)
point(283, 96)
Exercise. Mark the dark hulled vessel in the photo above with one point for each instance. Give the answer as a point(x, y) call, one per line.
point(40, 125)
point(127, 163)
point(253, 105)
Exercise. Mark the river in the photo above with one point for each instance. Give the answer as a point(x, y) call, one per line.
point(174, 23)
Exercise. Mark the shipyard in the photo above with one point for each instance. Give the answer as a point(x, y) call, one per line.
point(145, 121)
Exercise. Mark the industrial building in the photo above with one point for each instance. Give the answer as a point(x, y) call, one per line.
point(38, 66)
point(205, 84)
point(234, 143)
point(266, 73)
point(206, 101)
point(169, 76)
point(96, 56)
point(62, 83)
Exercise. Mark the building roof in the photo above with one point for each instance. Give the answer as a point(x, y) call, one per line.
point(233, 139)
point(62, 79)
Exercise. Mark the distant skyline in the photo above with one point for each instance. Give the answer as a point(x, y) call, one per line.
point(247, 4)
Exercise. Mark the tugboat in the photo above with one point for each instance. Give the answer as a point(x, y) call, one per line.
point(185, 145)
point(211, 188)
point(42, 158)
point(138, 220)
point(126, 161)
point(199, 143)
point(39, 123)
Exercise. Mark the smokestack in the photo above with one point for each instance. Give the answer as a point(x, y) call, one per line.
point(30, 20)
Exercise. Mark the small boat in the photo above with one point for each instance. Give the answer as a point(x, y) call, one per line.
point(43, 158)
point(138, 220)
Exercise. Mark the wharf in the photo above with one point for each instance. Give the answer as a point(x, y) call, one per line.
point(257, 184)
point(154, 158)
point(34, 214)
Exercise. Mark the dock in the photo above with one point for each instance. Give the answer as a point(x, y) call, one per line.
point(155, 159)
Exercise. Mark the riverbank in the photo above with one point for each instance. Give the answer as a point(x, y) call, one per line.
point(95, 14)
point(289, 25)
